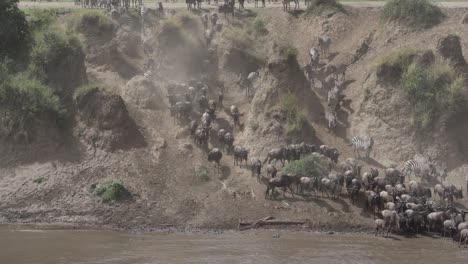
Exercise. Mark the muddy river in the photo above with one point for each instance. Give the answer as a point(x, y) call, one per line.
point(31, 246)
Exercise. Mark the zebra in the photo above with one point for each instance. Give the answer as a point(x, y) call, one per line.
point(420, 168)
point(360, 144)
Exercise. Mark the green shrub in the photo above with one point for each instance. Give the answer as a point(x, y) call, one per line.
point(413, 13)
point(22, 98)
point(39, 180)
point(311, 166)
point(317, 7)
point(85, 89)
point(39, 18)
point(14, 31)
point(295, 119)
point(84, 17)
point(202, 174)
point(392, 66)
point(289, 53)
point(259, 29)
point(53, 46)
point(431, 88)
point(110, 190)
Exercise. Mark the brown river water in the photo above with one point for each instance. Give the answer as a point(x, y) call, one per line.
point(32, 246)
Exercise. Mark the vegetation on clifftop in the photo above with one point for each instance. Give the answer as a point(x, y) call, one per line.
point(432, 85)
point(418, 14)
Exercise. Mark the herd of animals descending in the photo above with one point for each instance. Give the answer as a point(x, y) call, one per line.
point(405, 206)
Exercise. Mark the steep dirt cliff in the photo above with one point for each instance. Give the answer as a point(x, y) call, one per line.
point(160, 165)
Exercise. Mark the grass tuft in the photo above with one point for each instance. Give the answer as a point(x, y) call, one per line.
point(419, 14)
point(258, 28)
point(202, 174)
point(110, 191)
point(296, 120)
point(83, 18)
point(84, 90)
point(317, 7)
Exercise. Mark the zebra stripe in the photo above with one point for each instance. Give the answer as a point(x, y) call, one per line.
point(413, 166)
point(360, 144)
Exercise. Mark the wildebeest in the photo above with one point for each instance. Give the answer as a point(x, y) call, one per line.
point(226, 8)
point(353, 190)
point(193, 127)
point(228, 141)
point(240, 154)
point(463, 237)
point(271, 171)
point(221, 135)
point(209, 34)
point(339, 69)
point(308, 184)
point(329, 185)
point(379, 226)
point(393, 176)
point(391, 220)
point(204, 19)
point(328, 83)
point(287, 4)
point(234, 111)
point(200, 136)
point(191, 4)
point(329, 152)
point(283, 181)
point(256, 167)
point(214, 19)
point(256, 3)
point(436, 219)
point(314, 58)
point(276, 154)
point(324, 44)
point(373, 202)
point(215, 155)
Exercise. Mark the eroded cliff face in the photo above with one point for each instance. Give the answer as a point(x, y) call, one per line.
point(125, 132)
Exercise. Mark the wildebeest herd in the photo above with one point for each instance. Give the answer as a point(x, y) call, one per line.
point(409, 207)
point(401, 204)
point(398, 203)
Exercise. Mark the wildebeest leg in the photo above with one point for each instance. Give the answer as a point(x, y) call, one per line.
point(291, 190)
point(266, 193)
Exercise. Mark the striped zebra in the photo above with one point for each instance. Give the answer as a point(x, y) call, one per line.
point(420, 168)
point(360, 144)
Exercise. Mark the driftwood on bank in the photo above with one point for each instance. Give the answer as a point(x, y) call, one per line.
point(267, 221)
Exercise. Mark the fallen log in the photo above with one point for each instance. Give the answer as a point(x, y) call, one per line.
point(275, 222)
point(265, 222)
point(252, 225)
